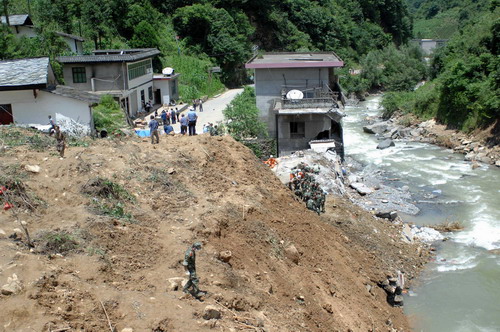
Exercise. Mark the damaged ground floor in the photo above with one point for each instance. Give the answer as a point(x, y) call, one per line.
point(299, 129)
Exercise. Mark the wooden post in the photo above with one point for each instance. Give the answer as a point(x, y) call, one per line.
point(6, 11)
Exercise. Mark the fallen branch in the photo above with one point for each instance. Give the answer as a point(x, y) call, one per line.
point(106, 313)
point(61, 329)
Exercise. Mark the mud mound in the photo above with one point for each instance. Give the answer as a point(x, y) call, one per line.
point(284, 268)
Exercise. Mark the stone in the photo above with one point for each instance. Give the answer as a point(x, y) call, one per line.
point(292, 254)
point(376, 128)
point(13, 286)
point(128, 329)
point(391, 215)
point(407, 233)
point(415, 132)
point(211, 312)
point(176, 283)
point(470, 156)
point(352, 178)
point(361, 188)
point(225, 256)
point(494, 251)
point(171, 170)
point(405, 188)
point(386, 144)
point(32, 168)
point(3, 235)
point(398, 299)
point(497, 163)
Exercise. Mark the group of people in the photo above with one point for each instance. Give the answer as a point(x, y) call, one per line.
point(211, 129)
point(303, 184)
point(198, 103)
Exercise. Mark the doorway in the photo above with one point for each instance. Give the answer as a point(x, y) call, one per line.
point(6, 116)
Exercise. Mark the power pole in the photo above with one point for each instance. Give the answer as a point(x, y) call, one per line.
point(29, 8)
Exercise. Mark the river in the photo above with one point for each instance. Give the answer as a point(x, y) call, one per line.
point(460, 290)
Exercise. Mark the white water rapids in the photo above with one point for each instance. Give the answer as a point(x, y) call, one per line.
point(460, 290)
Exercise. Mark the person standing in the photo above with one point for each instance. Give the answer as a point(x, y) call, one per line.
point(52, 124)
point(190, 268)
point(200, 104)
point(192, 117)
point(153, 127)
point(173, 116)
point(177, 114)
point(61, 141)
point(184, 124)
point(164, 117)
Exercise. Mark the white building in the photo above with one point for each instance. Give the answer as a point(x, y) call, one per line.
point(28, 95)
point(21, 25)
point(126, 75)
point(299, 98)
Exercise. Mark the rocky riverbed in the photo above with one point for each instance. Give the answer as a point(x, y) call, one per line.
point(478, 147)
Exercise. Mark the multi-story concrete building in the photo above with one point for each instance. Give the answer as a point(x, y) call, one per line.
point(125, 74)
point(299, 98)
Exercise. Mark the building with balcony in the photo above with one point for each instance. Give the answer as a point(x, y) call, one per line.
point(299, 98)
point(127, 75)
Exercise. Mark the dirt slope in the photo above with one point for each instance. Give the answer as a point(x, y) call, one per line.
point(186, 189)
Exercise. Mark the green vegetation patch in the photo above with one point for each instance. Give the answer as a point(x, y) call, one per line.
point(109, 116)
point(242, 116)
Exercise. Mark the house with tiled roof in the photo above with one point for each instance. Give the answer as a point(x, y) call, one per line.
point(125, 74)
point(29, 94)
point(21, 25)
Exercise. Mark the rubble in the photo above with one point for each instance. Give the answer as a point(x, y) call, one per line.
point(211, 312)
point(13, 286)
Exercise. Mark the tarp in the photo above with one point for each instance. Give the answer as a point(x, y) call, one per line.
point(143, 132)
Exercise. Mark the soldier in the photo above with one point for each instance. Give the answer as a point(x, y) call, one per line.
point(61, 140)
point(190, 267)
point(322, 201)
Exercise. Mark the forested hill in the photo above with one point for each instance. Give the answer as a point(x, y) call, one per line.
point(227, 31)
point(442, 18)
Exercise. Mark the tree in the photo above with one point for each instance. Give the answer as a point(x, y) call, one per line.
point(242, 116)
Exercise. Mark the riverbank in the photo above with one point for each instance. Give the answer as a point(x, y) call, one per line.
point(478, 146)
point(447, 294)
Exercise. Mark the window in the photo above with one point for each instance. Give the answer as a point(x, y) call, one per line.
point(297, 129)
point(139, 69)
point(150, 93)
point(79, 75)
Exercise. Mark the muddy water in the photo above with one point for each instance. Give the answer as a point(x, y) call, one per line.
point(460, 290)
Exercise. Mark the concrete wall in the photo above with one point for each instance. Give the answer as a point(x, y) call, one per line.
point(166, 87)
point(27, 109)
point(269, 82)
point(75, 46)
point(314, 124)
point(136, 104)
point(20, 31)
point(110, 76)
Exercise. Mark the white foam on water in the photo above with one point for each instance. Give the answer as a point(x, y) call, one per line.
point(485, 233)
point(464, 261)
point(468, 326)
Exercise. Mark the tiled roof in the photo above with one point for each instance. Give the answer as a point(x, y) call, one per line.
point(126, 55)
point(63, 34)
point(17, 20)
point(67, 91)
point(24, 72)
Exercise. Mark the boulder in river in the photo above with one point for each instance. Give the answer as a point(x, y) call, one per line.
point(386, 144)
point(376, 128)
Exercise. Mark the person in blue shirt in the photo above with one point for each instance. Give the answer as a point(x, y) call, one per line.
point(192, 117)
point(184, 124)
point(164, 117)
point(168, 129)
point(153, 127)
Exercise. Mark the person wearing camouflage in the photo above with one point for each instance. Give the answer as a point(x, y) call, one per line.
point(304, 185)
point(190, 267)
